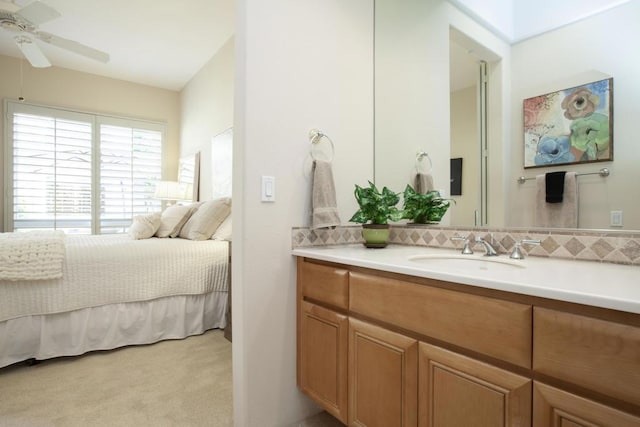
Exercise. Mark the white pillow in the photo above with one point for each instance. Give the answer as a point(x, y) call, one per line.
point(172, 220)
point(224, 231)
point(206, 220)
point(144, 226)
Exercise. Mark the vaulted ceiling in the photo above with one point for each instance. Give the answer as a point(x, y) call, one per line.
point(157, 43)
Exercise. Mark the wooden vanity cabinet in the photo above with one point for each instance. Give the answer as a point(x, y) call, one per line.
point(380, 349)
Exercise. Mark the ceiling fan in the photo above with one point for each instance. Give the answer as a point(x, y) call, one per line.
point(22, 25)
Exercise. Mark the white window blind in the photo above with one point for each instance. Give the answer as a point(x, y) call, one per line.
point(78, 172)
point(130, 166)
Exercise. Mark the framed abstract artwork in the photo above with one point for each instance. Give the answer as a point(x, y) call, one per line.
point(569, 126)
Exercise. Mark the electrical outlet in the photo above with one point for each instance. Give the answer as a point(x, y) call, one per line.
point(616, 219)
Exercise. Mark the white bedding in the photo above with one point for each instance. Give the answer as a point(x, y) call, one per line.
point(110, 326)
point(33, 255)
point(111, 269)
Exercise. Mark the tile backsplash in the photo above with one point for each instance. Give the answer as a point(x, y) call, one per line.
point(617, 247)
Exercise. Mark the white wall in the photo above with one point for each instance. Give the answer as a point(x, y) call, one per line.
point(599, 47)
point(60, 87)
point(207, 109)
point(300, 65)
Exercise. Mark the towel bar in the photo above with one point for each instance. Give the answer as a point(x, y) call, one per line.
point(604, 172)
point(315, 136)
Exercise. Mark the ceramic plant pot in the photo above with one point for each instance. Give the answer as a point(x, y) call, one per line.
point(375, 235)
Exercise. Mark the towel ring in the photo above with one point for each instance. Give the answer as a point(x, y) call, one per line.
point(420, 155)
point(315, 136)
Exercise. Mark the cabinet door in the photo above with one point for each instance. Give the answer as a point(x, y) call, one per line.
point(554, 407)
point(322, 358)
point(455, 390)
point(383, 372)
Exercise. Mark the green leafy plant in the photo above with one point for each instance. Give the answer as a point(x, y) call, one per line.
point(424, 208)
point(376, 207)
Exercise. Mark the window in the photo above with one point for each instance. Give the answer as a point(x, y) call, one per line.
point(79, 172)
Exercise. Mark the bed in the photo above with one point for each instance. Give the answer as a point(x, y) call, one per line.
point(115, 291)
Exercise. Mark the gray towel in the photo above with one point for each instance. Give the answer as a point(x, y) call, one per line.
point(423, 183)
point(324, 211)
point(557, 215)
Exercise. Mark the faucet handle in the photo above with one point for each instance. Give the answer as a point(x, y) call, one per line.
point(466, 250)
point(517, 253)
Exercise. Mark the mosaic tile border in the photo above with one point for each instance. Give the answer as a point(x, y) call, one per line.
point(618, 247)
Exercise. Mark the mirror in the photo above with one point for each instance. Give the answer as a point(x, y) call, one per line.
point(413, 106)
point(189, 174)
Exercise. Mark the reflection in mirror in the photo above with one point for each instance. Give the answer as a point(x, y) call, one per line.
point(465, 103)
point(412, 108)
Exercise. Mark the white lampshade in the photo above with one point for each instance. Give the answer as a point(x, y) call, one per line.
point(173, 190)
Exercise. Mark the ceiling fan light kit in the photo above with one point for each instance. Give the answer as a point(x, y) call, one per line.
point(23, 25)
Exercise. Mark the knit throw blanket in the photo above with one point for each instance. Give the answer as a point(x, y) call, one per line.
point(33, 255)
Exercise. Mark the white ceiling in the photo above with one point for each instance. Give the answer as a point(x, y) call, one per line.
point(161, 43)
point(517, 20)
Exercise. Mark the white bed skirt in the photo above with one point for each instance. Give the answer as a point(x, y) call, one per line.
point(110, 326)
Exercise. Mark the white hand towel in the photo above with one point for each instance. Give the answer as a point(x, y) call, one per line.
point(423, 183)
point(324, 210)
point(557, 215)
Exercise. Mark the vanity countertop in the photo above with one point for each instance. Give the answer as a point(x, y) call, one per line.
point(604, 285)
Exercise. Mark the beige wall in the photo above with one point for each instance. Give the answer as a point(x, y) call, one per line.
point(600, 47)
point(59, 87)
point(300, 65)
point(206, 105)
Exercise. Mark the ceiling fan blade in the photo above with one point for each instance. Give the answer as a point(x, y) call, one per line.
point(73, 46)
point(38, 13)
point(32, 52)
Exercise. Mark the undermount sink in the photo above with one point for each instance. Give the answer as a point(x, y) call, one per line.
point(457, 261)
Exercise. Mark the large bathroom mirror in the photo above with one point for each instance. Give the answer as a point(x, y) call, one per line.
point(416, 110)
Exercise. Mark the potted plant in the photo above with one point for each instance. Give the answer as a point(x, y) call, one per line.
point(376, 209)
point(428, 208)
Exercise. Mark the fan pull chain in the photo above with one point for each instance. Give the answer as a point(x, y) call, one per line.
point(21, 98)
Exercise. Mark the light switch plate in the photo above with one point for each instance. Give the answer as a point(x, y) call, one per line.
point(616, 219)
point(268, 189)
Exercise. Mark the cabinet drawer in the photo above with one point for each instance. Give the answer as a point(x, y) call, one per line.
point(324, 283)
point(593, 353)
point(497, 328)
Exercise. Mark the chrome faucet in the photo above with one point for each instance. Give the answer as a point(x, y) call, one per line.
point(491, 251)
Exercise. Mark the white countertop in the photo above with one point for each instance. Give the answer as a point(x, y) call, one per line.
point(598, 284)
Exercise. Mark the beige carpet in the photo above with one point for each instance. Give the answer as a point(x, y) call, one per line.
point(171, 383)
